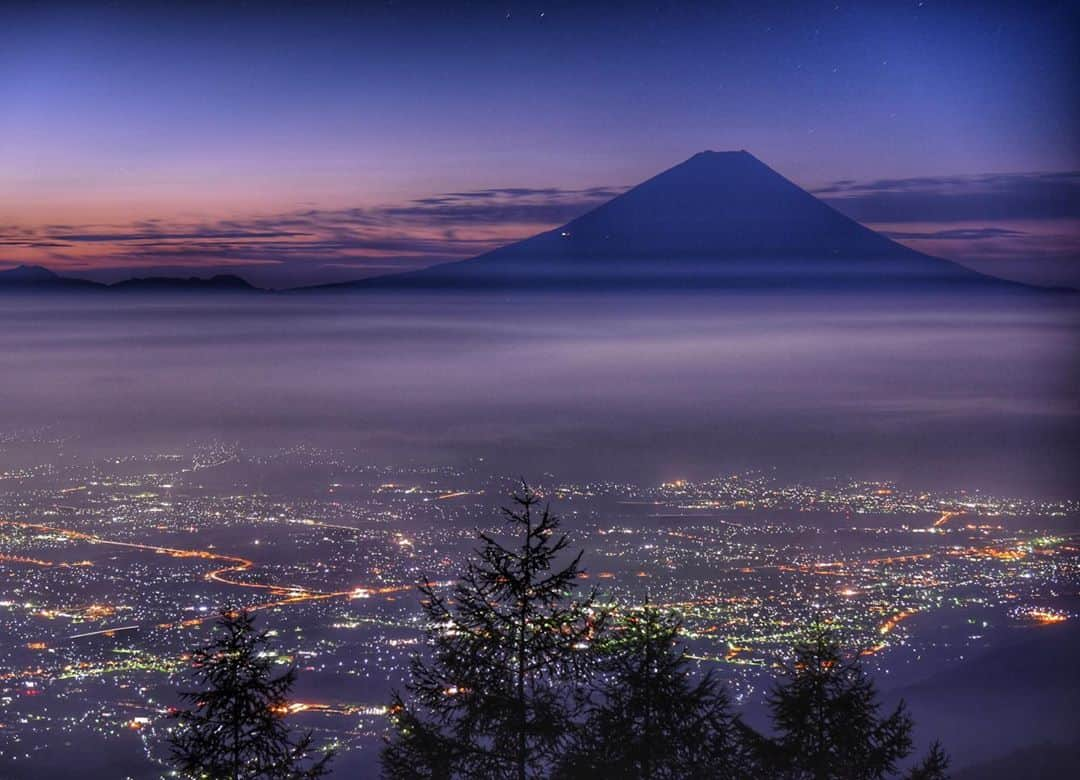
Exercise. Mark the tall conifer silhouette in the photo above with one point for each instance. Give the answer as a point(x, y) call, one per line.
point(828, 725)
point(509, 649)
point(234, 727)
point(651, 718)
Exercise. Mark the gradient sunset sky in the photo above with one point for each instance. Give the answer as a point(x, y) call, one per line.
point(303, 142)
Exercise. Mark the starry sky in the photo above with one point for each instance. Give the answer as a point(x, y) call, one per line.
point(303, 142)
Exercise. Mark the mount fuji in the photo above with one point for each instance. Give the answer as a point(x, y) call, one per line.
point(717, 220)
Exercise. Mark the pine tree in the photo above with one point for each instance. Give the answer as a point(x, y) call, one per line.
point(934, 767)
point(497, 695)
point(233, 728)
point(826, 716)
point(651, 719)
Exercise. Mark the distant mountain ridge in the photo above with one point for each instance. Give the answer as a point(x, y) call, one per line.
point(35, 278)
point(218, 282)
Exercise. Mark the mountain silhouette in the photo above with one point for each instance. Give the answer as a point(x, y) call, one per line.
point(719, 219)
point(218, 283)
point(33, 278)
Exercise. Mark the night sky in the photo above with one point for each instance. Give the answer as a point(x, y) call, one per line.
point(303, 142)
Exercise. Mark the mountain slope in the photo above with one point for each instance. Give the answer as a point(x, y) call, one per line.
point(720, 219)
point(1024, 692)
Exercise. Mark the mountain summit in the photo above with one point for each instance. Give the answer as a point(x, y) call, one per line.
point(718, 204)
point(28, 274)
point(719, 219)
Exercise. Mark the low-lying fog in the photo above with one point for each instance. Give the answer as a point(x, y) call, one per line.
point(929, 392)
